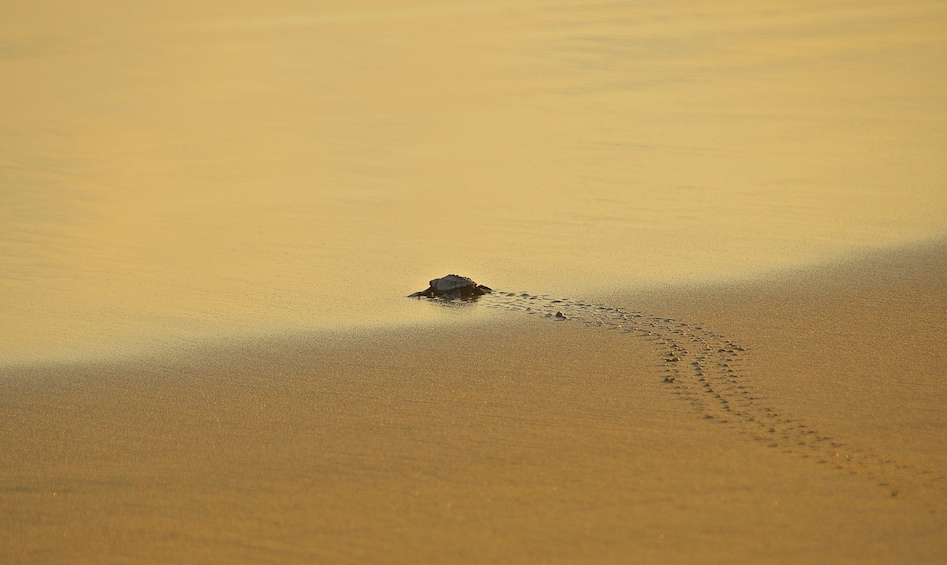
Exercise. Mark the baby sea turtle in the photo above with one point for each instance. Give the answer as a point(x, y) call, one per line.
point(451, 287)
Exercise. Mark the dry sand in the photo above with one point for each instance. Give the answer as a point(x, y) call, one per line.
point(519, 440)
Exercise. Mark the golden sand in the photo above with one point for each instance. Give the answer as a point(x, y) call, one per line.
point(525, 440)
point(172, 170)
point(210, 214)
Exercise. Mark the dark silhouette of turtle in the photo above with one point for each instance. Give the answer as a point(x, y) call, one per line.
point(452, 287)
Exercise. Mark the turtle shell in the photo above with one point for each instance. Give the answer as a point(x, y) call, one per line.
point(451, 287)
point(451, 282)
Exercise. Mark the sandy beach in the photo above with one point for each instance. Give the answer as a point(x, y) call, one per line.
point(211, 215)
point(518, 440)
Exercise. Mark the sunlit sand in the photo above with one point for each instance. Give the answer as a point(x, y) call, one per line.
point(211, 216)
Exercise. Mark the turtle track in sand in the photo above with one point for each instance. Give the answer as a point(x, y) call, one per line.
point(708, 371)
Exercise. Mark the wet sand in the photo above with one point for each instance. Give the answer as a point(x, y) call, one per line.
point(176, 170)
point(518, 439)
